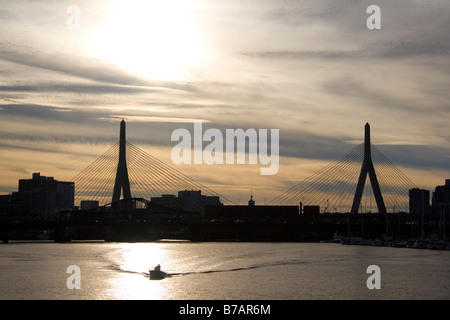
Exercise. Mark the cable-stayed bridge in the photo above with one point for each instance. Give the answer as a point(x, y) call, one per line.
point(362, 180)
point(129, 186)
point(128, 170)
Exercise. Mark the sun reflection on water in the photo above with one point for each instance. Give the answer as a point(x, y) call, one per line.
point(139, 257)
point(132, 262)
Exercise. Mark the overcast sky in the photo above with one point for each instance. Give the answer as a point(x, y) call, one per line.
point(311, 69)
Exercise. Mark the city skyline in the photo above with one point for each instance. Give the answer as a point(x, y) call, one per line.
point(313, 70)
point(149, 177)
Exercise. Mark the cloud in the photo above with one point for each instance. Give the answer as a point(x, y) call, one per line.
point(73, 87)
point(24, 126)
point(391, 50)
point(115, 118)
point(337, 30)
point(309, 68)
point(87, 68)
point(434, 157)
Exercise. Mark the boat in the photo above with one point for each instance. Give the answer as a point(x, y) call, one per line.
point(157, 274)
point(337, 238)
point(352, 240)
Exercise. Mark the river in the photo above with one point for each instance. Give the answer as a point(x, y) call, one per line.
point(220, 270)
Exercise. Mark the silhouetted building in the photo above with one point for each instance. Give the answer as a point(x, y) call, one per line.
point(441, 198)
point(42, 197)
point(419, 201)
point(311, 211)
point(187, 200)
point(245, 213)
point(251, 202)
point(6, 206)
point(88, 204)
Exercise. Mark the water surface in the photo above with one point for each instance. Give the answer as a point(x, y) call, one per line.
point(199, 271)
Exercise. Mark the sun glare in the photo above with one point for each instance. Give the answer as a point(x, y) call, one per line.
point(151, 38)
point(134, 261)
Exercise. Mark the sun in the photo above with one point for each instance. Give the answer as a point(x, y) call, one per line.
point(156, 39)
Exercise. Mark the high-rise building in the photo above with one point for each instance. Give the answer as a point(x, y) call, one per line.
point(419, 201)
point(441, 198)
point(43, 197)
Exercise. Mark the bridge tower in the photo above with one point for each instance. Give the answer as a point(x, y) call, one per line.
point(368, 168)
point(122, 183)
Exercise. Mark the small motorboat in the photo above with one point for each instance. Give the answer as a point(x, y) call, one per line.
point(157, 274)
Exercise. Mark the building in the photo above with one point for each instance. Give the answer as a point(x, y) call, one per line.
point(251, 213)
point(89, 204)
point(419, 201)
point(6, 206)
point(251, 202)
point(42, 197)
point(441, 199)
point(187, 200)
point(311, 211)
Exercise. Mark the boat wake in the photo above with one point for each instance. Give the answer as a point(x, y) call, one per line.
point(212, 271)
point(121, 269)
point(257, 266)
point(237, 269)
point(177, 274)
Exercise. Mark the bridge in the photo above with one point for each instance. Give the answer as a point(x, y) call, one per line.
point(125, 171)
point(362, 180)
point(124, 180)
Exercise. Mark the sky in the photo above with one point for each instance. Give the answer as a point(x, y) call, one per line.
point(71, 70)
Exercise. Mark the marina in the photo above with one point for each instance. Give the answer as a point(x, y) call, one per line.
point(433, 243)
